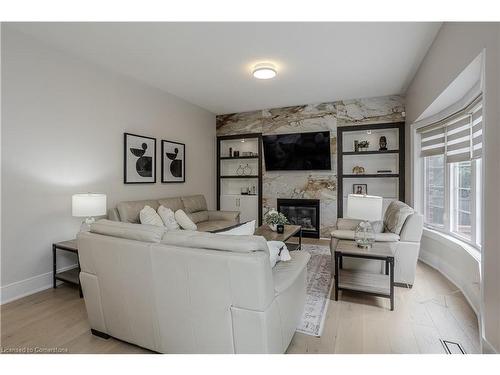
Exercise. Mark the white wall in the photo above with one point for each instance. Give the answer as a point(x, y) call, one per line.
point(455, 260)
point(63, 121)
point(455, 47)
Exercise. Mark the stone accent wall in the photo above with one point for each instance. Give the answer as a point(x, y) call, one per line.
point(320, 185)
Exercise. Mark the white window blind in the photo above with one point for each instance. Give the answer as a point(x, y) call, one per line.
point(477, 131)
point(459, 137)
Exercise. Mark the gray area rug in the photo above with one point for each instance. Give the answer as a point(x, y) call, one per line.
point(319, 283)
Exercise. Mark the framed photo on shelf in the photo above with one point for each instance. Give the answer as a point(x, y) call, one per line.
point(139, 159)
point(360, 189)
point(173, 162)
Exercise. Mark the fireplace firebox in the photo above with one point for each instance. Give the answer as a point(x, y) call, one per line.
point(303, 212)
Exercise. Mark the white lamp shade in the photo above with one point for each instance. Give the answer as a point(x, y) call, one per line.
point(364, 207)
point(88, 205)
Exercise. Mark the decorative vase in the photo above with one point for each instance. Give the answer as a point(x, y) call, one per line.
point(364, 235)
point(280, 228)
point(273, 227)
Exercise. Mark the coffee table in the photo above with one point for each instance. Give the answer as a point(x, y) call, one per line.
point(381, 285)
point(290, 231)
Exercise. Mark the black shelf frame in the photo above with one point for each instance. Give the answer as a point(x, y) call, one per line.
point(257, 136)
point(238, 157)
point(373, 175)
point(370, 152)
point(340, 159)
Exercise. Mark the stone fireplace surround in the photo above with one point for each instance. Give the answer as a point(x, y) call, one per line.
point(321, 185)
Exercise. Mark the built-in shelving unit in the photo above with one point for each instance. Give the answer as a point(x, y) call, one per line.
point(242, 176)
point(388, 184)
point(239, 178)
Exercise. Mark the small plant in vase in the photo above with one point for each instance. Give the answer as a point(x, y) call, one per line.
point(363, 145)
point(274, 219)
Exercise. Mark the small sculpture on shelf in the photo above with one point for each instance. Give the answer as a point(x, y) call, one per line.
point(356, 146)
point(383, 143)
point(230, 152)
point(358, 170)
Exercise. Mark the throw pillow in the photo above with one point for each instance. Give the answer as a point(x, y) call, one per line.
point(241, 230)
point(395, 216)
point(278, 252)
point(149, 216)
point(168, 217)
point(184, 221)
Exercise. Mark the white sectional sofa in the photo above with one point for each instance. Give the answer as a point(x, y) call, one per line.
point(189, 292)
point(195, 207)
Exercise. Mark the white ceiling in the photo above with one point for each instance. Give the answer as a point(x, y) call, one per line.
point(209, 64)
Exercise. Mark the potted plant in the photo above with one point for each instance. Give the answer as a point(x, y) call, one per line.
point(274, 219)
point(363, 145)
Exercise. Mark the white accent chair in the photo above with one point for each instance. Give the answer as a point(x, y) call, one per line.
point(402, 225)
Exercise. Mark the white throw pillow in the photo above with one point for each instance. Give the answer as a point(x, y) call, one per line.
point(168, 217)
point(246, 229)
point(149, 216)
point(184, 221)
point(278, 252)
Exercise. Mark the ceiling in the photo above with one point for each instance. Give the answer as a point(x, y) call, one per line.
point(209, 64)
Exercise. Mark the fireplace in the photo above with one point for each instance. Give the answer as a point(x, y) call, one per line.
point(303, 212)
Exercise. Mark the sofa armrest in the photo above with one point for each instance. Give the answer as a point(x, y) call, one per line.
point(224, 215)
point(412, 228)
point(346, 224)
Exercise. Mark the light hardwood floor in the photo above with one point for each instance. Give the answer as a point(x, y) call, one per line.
point(434, 308)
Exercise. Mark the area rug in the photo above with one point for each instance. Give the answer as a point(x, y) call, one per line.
point(319, 283)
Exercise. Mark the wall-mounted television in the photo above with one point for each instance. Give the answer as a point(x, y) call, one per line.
point(297, 152)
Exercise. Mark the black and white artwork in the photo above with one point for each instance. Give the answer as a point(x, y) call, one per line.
point(360, 189)
point(173, 161)
point(139, 159)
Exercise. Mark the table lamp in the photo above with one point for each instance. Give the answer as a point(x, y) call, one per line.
point(88, 205)
point(366, 208)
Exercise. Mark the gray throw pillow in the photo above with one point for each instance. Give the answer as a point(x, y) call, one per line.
point(395, 216)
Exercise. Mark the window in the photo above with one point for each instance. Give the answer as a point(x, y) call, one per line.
point(434, 190)
point(451, 152)
point(453, 207)
point(461, 193)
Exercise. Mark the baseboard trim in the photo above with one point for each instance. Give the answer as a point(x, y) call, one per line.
point(26, 287)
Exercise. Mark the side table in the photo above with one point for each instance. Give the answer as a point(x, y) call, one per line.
point(381, 285)
point(71, 276)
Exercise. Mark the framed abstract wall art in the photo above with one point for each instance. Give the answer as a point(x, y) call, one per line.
point(139, 159)
point(173, 162)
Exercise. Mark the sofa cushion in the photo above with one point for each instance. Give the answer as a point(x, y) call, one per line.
point(212, 241)
point(395, 216)
point(129, 211)
point(184, 221)
point(285, 273)
point(138, 232)
point(342, 234)
point(196, 217)
point(214, 225)
point(247, 228)
point(194, 203)
point(168, 218)
point(149, 216)
point(173, 203)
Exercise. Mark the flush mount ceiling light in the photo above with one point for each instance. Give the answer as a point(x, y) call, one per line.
point(264, 71)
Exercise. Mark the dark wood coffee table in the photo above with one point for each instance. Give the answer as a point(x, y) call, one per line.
point(290, 231)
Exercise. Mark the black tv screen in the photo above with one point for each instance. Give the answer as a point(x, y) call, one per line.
point(297, 152)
